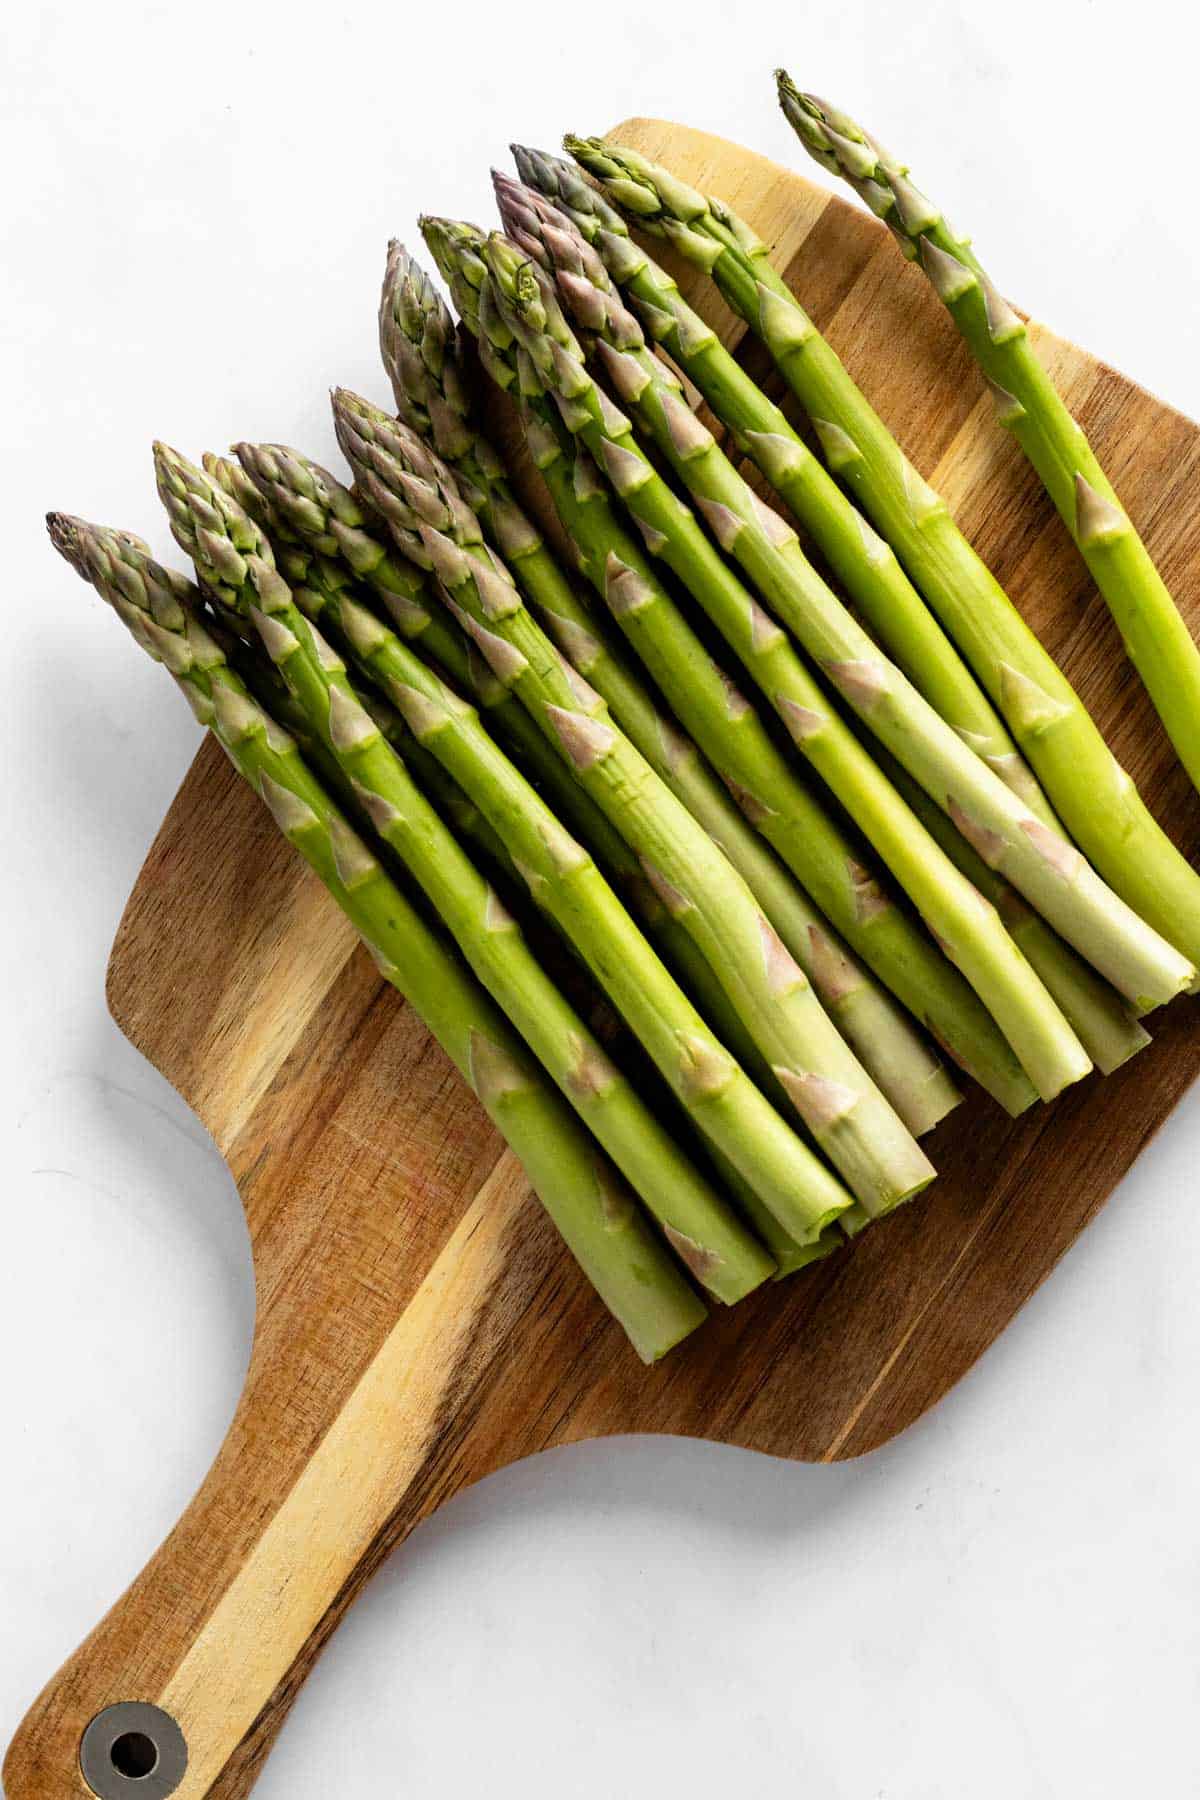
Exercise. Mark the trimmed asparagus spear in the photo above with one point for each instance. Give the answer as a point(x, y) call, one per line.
point(841, 1106)
point(433, 396)
point(631, 1270)
point(1107, 1026)
point(325, 593)
point(1036, 860)
point(318, 584)
point(963, 922)
point(234, 560)
point(863, 563)
point(566, 884)
point(1157, 640)
point(1092, 794)
point(619, 863)
point(322, 599)
point(703, 698)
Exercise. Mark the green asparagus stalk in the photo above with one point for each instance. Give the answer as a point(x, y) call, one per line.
point(1092, 794)
point(1107, 1026)
point(677, 949)
point(565, 882)
point(321, 598)
point(967, 927)
point(1048, 872)
point(865, 566)
point(776, 803)
point(842, 1108)
point(631, 1270)
point(317, 581)
point(1156, 638)
point(433, 396)
point(234, 561)
point(618, 862)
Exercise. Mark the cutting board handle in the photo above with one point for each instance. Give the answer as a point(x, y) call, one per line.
point(234, 1662)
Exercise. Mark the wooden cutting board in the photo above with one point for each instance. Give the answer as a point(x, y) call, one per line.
point(418, 1324)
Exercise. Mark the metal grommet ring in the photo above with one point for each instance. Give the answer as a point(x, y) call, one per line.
point(133, 1751)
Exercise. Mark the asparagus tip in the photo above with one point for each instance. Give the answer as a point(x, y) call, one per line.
point(64, 532)
point(167, 458)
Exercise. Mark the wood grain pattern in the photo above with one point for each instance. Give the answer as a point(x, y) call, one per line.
point(418, 1324)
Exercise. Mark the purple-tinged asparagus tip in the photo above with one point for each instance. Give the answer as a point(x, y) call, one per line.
point(66, 535)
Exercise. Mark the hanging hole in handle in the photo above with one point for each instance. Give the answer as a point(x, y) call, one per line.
point(135, 1755)
point(133, 1751)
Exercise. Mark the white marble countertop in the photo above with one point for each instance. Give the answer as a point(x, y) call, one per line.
point(1001, 1605)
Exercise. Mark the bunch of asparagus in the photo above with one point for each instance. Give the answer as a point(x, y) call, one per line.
point(711, 1016)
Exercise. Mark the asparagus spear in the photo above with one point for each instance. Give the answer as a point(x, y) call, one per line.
point(322, 600)
point(319, 583)
point(234, 561)
point(433, 396)
point(967, 927)
point(863, 563)
point(631, 1270)
point(841, 1106)
point(567, 885)
point(1156, 638)
point(776, 803)
point(1036, 860)
point(674, 944)
point(1092, 794)
point(322, 589)
point(1107, 1026)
